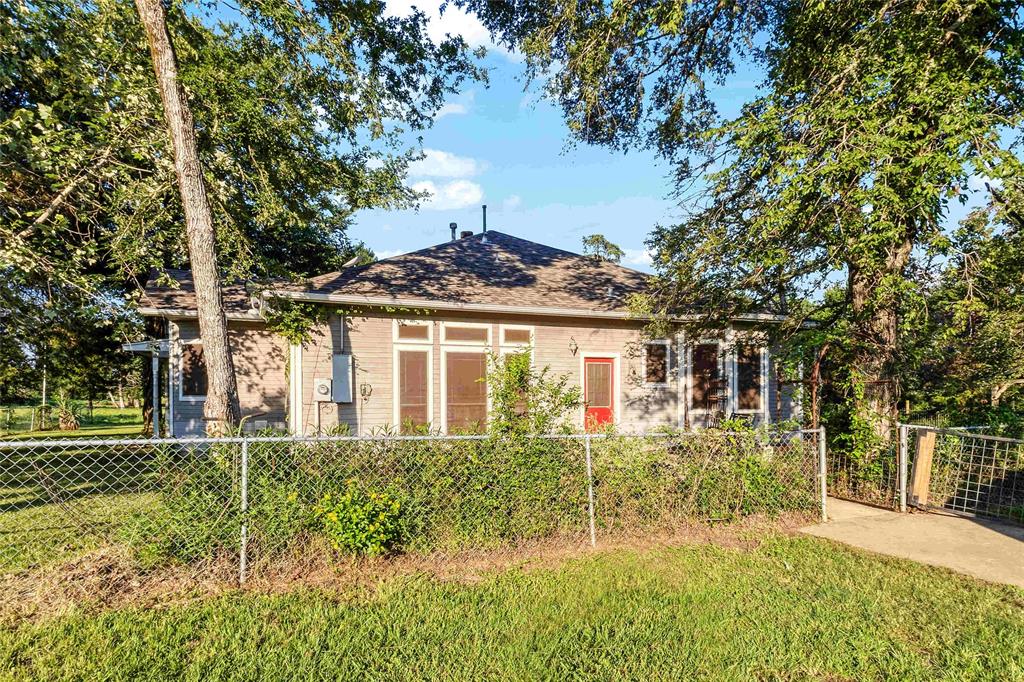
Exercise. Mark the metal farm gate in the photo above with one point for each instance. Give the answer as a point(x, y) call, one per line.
point(932, 468)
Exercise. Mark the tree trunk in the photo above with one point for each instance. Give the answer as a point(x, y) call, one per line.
point(221, 407)
point(876, 317)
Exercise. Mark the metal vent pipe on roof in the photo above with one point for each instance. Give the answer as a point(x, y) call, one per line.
point(485, 218)
point(453, 227)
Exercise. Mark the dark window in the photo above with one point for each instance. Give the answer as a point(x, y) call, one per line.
point(478, 334)
point(656, 363)
point(413, 332)
point(193, 370)
point(707, 390)
point(748, 379)
point(413, 390)
point(466, 392)
point(517, 336)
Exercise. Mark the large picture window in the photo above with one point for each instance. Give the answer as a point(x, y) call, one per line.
point(706, 387)
point(465, 392)
point(413, 390)
point(748, 378)
point(194, 382)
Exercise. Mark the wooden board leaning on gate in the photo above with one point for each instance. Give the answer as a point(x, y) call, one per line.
point(922, 476)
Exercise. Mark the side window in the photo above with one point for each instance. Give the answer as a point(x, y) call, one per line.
point(413, 390)
point(748, 379)
point(466, 392)
point(656, 363)
point(193, 370)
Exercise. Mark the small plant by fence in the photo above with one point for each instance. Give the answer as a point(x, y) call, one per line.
point(255, 500)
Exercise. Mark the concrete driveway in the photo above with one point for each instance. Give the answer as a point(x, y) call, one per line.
point(985, 549)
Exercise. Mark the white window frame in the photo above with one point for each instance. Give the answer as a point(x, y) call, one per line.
point(506, 348)
point(179, 372)
point(470, 325)
point(667, 343)
point(459, 348)
point(517, 327)
point(429, 324)
point(396, 384)
point(616, 386)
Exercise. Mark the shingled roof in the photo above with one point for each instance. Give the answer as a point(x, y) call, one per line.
point(486, 269)
point(181, 296)
point(491, 268)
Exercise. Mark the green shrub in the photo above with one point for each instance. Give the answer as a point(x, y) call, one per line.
point(361, 521)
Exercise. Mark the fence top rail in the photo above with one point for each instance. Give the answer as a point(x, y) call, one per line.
point(962, 433)
point(50, 443)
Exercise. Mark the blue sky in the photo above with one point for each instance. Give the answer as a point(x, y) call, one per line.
point(505, 147)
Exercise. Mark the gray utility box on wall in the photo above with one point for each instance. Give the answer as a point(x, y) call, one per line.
point(342, 374)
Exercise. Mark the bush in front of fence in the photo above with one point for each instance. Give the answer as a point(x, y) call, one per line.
point(385, 495)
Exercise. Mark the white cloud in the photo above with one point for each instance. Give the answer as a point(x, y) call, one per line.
point(449, 196)
point(441, 164)
point(642, 257)
point(511, 203)
point(388, 253)
point(452, 21)
point(451, 109)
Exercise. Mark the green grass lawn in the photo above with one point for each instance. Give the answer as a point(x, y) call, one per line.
point(104, 422)
point(793, 608)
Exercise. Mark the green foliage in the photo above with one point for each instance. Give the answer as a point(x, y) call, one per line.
point(361, 521)
point(294, 320)
point(599, 248)
point(68, 413)
point(302, 114)
point(374, 497)
point(872, 120)
point(526, 400)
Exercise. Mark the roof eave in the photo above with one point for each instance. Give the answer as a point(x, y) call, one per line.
point(431, 304)
point(185, 313)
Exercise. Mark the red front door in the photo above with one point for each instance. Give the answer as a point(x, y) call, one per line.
point(599, 391)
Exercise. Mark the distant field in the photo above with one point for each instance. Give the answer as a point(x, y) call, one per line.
point(794, 608)
point(104, 421)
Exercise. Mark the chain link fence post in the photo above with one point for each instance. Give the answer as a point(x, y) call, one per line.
point(590, 492)
point(903, 466)
point(243, 558)
point(822, 471)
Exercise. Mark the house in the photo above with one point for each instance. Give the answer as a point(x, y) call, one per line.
point(407, 337)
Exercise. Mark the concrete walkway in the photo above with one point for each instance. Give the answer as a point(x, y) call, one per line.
point(989, 550)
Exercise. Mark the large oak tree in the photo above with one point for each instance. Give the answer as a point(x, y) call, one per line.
point(301, 113)
point(872, 117)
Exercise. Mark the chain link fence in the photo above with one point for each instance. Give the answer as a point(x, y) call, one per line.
point(258, 500)
point(873, 479)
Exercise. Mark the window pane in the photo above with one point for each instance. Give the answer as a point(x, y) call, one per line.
point(413, 388)
point(599, 384)
point(748, 380)
point(414, 332)
point(707, 390)
point(465, 334)
point(466, 391)
point(193, 370)
point(656, 371)
point(517, 336)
